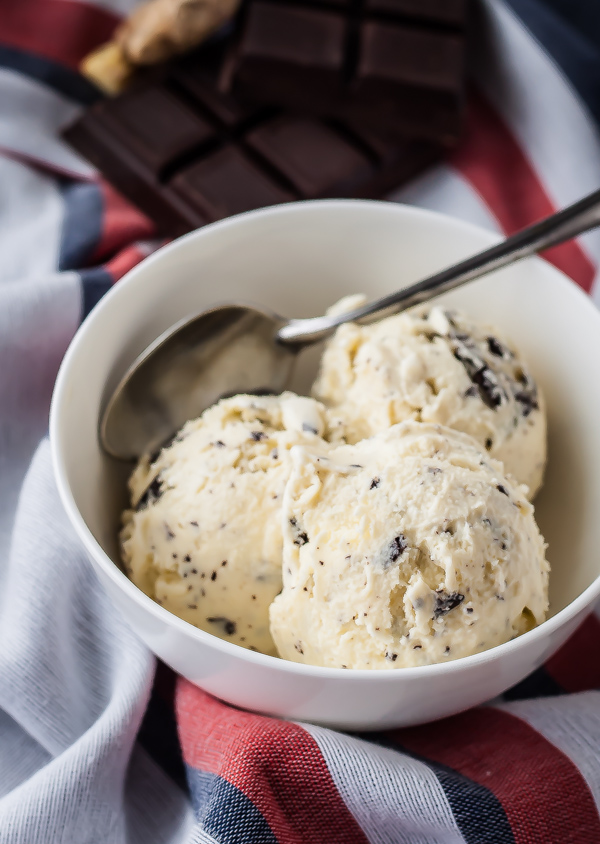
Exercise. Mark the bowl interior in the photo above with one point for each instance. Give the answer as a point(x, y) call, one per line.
point(297, 260)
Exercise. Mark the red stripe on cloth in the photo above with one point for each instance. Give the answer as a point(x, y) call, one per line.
point(544, 796)
point(490, 159)
point(60, 30)
point(124, 261)
point(122, 224)
point(277, 765)
point(576, 667)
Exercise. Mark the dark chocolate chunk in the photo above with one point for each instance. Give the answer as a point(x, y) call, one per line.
point(257, 436)
point(228, 626)
point(446, 601)
point(152, 493)
point(502, 489)
point(391, 656)
point(375, 483)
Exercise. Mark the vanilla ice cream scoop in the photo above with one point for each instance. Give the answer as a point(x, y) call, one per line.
point(203, 537)
point(409, 548)
point(436, 366)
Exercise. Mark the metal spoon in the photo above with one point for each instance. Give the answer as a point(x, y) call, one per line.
point(241, 349)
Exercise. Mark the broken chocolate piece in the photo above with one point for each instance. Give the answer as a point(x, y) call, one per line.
point(188, 154)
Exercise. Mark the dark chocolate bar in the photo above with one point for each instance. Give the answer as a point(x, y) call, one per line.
point(187, 154)
point(397, 64)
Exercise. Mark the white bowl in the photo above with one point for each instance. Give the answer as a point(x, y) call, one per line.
point(297, 259)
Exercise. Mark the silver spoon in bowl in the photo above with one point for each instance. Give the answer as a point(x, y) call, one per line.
point(239, 348)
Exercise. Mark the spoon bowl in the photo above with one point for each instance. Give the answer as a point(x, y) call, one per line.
point(224, 351)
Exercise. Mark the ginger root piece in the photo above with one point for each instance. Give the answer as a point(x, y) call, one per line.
point(155, 31)
point(108, 68)
point(160, 29)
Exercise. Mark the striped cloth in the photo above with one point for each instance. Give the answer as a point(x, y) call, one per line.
point(95, 744)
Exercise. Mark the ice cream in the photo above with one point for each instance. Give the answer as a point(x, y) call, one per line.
point(409, 548)
point(435, 366)
point(203, 537)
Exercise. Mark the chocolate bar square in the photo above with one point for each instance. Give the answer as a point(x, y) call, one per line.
point(175, 132)
point(314, 158)
point(297, 45)
point(227, 183)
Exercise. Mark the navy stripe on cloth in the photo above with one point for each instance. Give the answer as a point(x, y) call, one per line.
point(477, 811)
point(538, 684)
point(158, 736)
point(94, 283)
point(569, 31)
point(61, 79)
point(225, 812)
point(82, 224)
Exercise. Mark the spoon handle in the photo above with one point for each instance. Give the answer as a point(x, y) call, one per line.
point(557, 228)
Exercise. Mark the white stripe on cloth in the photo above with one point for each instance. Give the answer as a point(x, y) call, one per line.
point(38, 318)
point(443, 189)
point(75, 682)
point(571, 723)
point(31, 213)
point(538, 104)
point(31, 117)
point(395, 799)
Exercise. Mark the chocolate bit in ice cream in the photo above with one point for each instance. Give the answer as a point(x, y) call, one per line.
point(375, 483)
point(527, 396)
point(228, 626)
point(301, 535)
point(152, 493)
point(446, 601)
point(397, 547)
point(257, 436)
point(478, 371)
point(496, 348)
